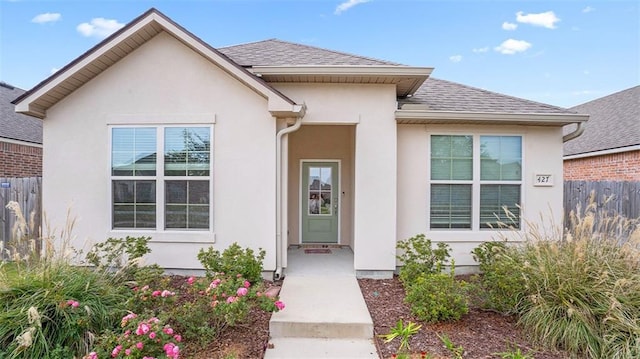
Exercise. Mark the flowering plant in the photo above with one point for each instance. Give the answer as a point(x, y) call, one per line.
point(142, 338)
point(146, 298)
point(224, 300)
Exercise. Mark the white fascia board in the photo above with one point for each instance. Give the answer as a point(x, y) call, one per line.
point(344, 70)
point(603, 152)
point(480, 117)
point(24, 105)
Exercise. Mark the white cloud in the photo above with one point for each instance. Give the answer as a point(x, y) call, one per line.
point(99, 27)
point(586, 72)
point(511, 46)
point(509, 26)
point(481, 50)
point(46, 17)
point(588, 9)
point(348, 5)
point(545, 19)
point(455, 58)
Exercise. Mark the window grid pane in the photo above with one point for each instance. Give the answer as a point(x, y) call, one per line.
point(133, 152)
point(501, 158)
point(187, 151)
point(187, 204)
point(451, 157)
point(450, 206)
point(134, 204)
point(494, 199)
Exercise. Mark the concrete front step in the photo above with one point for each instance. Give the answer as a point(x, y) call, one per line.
point(321, 307)
point(297, 348)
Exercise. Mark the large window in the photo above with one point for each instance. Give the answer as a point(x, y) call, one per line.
point(170, 191)
point(475, 181)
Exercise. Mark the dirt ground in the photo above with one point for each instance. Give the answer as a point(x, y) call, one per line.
point(481, 334)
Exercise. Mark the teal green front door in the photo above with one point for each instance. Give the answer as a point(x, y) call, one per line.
point(319, 202)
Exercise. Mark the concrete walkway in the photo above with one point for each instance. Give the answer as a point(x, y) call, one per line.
point(325, 314)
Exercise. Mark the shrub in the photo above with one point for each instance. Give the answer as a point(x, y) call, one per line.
point(502, 282)
point(54, 308)
point(216, 304)
point(437, 297)
point(140, 337)
point(235, 260)
point(581, 289)
point(419, 258)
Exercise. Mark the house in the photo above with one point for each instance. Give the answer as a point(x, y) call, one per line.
point(154, 132)
point(606, 157)
point(20, 138)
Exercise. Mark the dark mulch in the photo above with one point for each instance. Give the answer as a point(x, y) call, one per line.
point(480, 333)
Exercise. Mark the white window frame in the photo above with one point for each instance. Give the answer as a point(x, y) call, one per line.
point(160, 180)
point(475, 182)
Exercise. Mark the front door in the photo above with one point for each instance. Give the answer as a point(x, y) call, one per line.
point(319, 202)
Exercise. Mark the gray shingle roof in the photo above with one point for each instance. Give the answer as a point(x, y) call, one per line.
point(14, 125)
point(274, 52)
point(441, 95)
point(614, 122)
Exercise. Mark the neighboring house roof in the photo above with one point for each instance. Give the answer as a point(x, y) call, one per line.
point(13, 125)
point(441, 95)
point(614, 124)
point(274, 52)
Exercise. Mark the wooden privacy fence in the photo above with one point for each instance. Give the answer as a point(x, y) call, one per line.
point(25, 191)
point(621, 198)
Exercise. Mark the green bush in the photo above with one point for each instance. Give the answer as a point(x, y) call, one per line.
point(53, 309)
point(502, 282)
point(235, 260)
point(580, 291)
point(437, 297)
point(419, 257)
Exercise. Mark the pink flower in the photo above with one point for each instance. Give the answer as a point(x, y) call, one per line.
point(73, 303)
point(155, 293)
point(143, 328)
point(231, 299)
point(152, 335)
point(258, 294)
point(242, 291)
point(145, 287)
point(116, 351)
point(214, 303)
point(154, 320)
point(247, 284)
point(279, 305)
point(178, 338)
point(166, 293)
point(190, 280)
point(93, 355)
point(139, 345)
point(168, 330)
point(127, 352)
point(171, 350)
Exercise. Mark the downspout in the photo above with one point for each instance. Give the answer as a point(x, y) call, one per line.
point(570, 136)
point(278, 273)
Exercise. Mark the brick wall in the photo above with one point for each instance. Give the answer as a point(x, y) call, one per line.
point(624, 166)
point(18, 160)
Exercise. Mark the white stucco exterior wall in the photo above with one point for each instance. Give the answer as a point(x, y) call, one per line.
point(542, 154)
point(164, 82)
point(372, 109)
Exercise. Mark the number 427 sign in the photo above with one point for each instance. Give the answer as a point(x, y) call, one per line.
point(543, 180)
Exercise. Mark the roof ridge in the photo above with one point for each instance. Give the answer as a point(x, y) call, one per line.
point(340, 52)
point(606, 97)
point(502, 94)
point(317, 48)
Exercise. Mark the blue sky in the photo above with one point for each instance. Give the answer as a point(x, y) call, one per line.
point(559, 52)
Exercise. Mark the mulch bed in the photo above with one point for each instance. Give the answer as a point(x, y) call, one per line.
point(482, 334)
